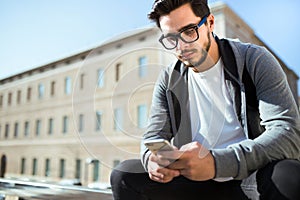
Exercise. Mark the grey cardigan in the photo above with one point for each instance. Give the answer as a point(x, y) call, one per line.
point(267, 112)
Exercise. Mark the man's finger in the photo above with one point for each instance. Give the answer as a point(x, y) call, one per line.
point(171, 155)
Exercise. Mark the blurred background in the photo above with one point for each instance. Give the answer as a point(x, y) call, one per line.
point(76, 79)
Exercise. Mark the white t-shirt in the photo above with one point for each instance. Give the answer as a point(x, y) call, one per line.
point(213, 120)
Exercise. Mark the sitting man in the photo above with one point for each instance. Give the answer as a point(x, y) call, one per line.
point(227, 108)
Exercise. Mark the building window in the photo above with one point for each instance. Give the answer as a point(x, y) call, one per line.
point(82, 81)
point(68, 85)
point(28, 94)
point(9, 98)
point(65, 124)
point(1, 100)
point(50, 126)
point(96, 170)
point(142, 116)
point(78, 169)
point(143, 66)
point(118, 71)
point(52, 89)
point(34, 166)
point(81, 123)
point(118, 119)
point(115, 163)
point(47, 167)
point(38, 127)
point(41, 91)
point(62, 168)
point(98, 120)
point(100, 78)
point(16, 130)
point(19, 97)
point(6, 133)
point(26, 128)
point(23, 165)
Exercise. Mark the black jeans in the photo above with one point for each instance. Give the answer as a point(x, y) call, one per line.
point(278, 180)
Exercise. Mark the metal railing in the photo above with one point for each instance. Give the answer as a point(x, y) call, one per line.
point(18, 189)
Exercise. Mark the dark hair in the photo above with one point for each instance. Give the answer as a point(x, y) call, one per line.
point(164, 7)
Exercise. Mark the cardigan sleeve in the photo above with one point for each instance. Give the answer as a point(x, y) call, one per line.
point(159, 121)
point(279, 115)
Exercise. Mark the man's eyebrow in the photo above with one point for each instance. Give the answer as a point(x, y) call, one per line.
point(180, 30)
point(186, 27)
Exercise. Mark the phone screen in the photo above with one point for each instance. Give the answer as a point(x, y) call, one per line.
point(158, 145)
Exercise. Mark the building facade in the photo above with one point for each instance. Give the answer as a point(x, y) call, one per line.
point(78, 117)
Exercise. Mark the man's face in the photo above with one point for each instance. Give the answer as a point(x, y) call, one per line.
point(192, 54)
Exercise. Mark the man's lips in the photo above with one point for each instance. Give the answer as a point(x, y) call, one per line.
point(187, 55)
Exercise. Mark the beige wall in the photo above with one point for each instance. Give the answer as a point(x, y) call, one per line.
point(107, 144)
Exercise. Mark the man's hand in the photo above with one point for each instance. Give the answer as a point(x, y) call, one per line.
point(157, 169)
point(193, 161)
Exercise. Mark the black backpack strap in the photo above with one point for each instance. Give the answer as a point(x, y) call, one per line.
point(253, 115)
point(250, 89)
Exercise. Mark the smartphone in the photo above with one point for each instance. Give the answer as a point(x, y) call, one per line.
point(158, 145)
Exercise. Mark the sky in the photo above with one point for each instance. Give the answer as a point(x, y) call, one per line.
point(37, 32)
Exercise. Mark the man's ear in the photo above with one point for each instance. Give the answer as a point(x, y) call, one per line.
point(211, 22)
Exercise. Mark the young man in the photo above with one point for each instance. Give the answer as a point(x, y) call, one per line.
point(227, 108)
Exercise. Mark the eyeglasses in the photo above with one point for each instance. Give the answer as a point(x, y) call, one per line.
point(187, 35)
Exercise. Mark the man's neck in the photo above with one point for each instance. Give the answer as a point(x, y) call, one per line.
point(211, 60)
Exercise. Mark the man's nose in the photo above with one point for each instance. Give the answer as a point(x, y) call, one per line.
point(181, 45)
